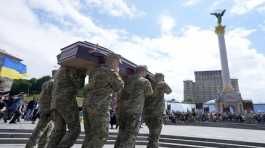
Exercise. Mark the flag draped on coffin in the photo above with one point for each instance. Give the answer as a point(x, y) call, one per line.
point(12, 68)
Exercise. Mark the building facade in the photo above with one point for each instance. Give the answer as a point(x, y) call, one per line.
point(207, 86)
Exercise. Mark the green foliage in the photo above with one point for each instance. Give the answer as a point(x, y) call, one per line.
point(36, 86)
point(29, 98)
point(188, 100)
point(32, 86)
point(20, 86)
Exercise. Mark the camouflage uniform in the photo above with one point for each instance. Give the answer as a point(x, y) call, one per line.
point(154, 108)
point(130, 110)
point(44, 127)
point(64, 107)
point(103, 82)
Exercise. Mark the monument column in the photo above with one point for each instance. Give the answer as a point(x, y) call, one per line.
point(220, 31)
point(228, 99)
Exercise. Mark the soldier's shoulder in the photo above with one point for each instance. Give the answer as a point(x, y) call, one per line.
point(162, 83)
point(46, 83)
point(50, 82)
point(111, 72)
point(144, 80)
point(100, 69)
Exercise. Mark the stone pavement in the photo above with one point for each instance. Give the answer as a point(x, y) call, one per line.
point(76, 146)
point(15, 136)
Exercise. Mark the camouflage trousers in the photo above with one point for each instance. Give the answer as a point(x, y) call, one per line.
point(96, 126)
point(154, 124)
point(129, 125)
point(65, 117)
point(41, 133)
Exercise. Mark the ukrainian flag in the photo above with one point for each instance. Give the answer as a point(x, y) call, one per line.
point(12, 68)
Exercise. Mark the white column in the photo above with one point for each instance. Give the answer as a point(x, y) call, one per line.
point(227, 87)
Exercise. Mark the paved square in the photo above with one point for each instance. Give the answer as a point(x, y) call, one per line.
point(190, 136)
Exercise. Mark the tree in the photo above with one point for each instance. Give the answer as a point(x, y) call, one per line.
point(188, 100)
point(40, 82)
point(20, 86)
point(32, 86)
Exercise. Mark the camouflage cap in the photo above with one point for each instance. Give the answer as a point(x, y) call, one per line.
point(141, 67)
point(113, 56)
point(159, 75)
point(54, 72)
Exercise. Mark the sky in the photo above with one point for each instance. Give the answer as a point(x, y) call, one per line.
point(175, 37)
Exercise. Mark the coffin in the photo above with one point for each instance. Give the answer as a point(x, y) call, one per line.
point(87, 55)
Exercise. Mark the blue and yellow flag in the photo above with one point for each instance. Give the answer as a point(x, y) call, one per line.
point(12, 68)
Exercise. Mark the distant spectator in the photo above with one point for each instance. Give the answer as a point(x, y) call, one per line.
point(2, 107)
point(113, 119)
point(9, 102)
point(17, 109)
point(35, 114)
point(30, 109)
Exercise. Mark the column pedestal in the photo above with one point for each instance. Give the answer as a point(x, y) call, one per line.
point(230, 102)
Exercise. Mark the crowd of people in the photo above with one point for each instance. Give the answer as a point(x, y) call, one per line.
point(248, 117)
point(14, 108)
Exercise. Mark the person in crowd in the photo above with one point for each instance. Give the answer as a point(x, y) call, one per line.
point(2, 107)
point(30, 109)
point(17, 109)
point(113, 119)
point(35, 114)
point(9, 108)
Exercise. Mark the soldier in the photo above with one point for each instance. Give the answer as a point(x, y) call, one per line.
point(44, 127)
point(67, 82)
point(154, 108)
point(131, 106)
point(103, 82)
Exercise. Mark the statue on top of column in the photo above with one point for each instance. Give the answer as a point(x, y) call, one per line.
point(219, 16)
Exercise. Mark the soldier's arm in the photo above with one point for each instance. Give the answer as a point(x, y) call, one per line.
point(167, 89)
point(85, 90)
point(79, 78)
point(116, 81)
point(148, 90)
point(44, 86)
point(50, 87)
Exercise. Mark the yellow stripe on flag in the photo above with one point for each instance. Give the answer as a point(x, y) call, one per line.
point(11, 73)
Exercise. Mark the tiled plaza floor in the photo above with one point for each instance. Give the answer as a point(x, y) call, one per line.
point(245, 135)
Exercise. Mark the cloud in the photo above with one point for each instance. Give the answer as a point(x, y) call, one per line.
point(242, 55)
point(190, 2)
point(262, 26)
point(178, 56)
point(114, 7)
point(241, 7)
point(38, 40)
point(167, 23)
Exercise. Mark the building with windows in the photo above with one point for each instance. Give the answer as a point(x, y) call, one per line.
point(207, 86)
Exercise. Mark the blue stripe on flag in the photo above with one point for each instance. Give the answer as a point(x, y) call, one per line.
point(13, 64)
